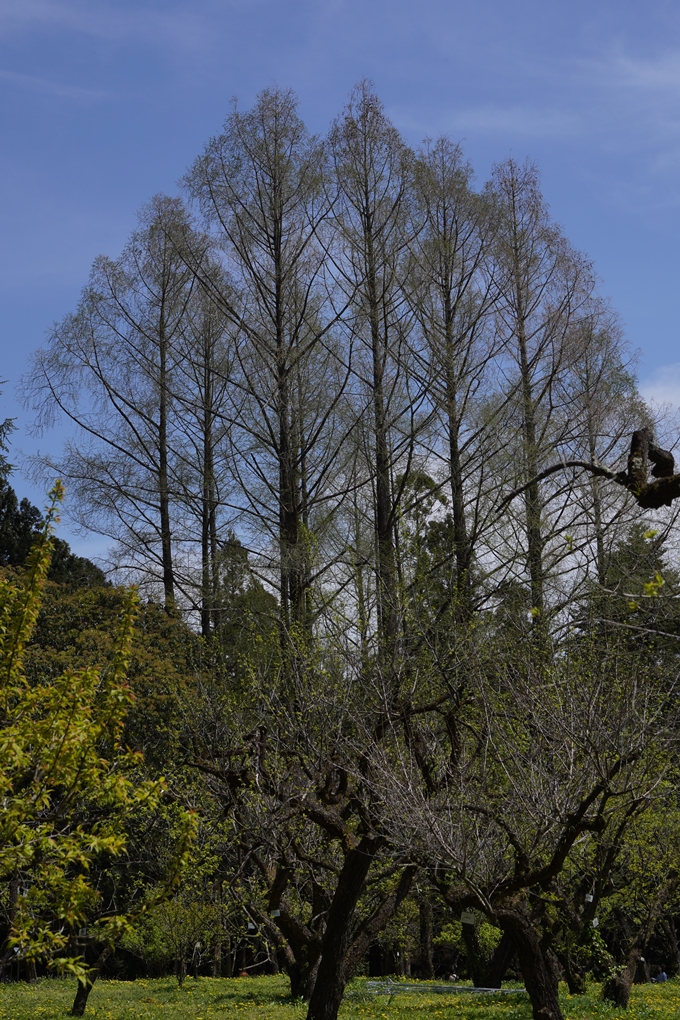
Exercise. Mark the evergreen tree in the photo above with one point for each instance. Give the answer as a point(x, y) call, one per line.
point(20, 526)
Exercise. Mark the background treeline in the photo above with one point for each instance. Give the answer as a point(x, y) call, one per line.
point(391, 693)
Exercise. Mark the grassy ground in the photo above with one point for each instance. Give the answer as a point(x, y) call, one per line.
point(266, 999)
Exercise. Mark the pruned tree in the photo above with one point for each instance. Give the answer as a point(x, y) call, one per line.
point(503, 787)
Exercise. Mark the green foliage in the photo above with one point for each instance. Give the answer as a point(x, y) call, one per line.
point(640, 602)
point(20, 527)
point(245, 621)
point(67, 782)
point(78, 627)
point(167, 934)
point(402, 931)
point(451, 937)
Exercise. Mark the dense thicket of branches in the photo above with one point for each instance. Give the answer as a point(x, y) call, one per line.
point(304, 401)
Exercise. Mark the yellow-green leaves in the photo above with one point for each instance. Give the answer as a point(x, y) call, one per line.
point(67, 785)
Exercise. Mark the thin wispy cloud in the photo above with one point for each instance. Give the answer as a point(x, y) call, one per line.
point(52, 88)
point(523, 121)
point(663, 386)
point(661, 73)
point(637, 98)
point(496, 121)
point(184, 27)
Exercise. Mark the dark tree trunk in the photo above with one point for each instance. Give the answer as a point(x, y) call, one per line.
point(642, 973)
point(532, 496)
point(217, 960)
point(303, 972)
point(537, 966)
point(595, 484)
point(461, 539)
point(426, 961)
point(85, 987)
point(299, 946)
point(375, 961)
point(180, 970)
point(617, 988)
point(332, 976)
point(575, 978)
point(386, 566)
point(163, 483)
point(208, 588)
point(487, 973)
point(499, 962)
point(475, 958)
point(376, 921)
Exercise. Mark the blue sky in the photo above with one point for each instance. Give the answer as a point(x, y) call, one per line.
point(104, 104)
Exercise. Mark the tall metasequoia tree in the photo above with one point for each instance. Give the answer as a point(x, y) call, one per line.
point(543, 288)
point(203, 432)
point(452, 291)
point(373, 170)
point(260, 186)
point(603, 406)
point(109, 369)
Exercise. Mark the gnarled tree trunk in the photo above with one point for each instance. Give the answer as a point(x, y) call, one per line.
point(536, 963)
point(331, 978)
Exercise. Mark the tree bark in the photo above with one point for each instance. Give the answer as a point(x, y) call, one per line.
point(208, 588)
point(299, 945)
point(617, 988)
point(595, 485)
point(386, 564)
point(499, 962)
point(85, 987)
point(461, 540)
point(538, 969)
point(163, 484)
point(217, 960)
point(332, 975)
point(426, 961)
point(576, 979)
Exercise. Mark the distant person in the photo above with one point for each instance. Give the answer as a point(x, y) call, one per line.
point(660, 976)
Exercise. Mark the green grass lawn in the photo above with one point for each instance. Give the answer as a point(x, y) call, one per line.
point(266, 999)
